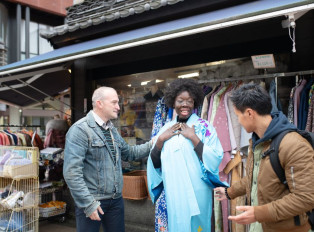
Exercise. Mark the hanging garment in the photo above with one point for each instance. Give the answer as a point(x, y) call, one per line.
point(235, 167)
point(205, 107)
point(291, 106)
point(216, 102)
point(304, 105)
point(220, 123)
point(275, 102)
point(236, 127)
point(188, 196)
point(160, 116)
point(297, 101)
point(310, 115)
point(211, 103)
point(231, 133)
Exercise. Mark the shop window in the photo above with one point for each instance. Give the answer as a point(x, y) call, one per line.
point(3, 24)
point(38, 45)
point(33, 37)
point(3, 35)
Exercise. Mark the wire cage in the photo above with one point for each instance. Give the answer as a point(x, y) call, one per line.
point(19, 220)
point(19, 204)
point(19, 191)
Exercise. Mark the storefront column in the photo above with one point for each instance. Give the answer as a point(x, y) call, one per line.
point(78, 90)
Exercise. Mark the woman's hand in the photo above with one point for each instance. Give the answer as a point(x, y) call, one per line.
point(189, 133)
point(171, 131)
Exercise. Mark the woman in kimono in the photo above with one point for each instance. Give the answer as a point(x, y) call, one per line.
point(184, 161)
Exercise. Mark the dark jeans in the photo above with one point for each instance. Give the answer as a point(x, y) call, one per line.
point(112, 220)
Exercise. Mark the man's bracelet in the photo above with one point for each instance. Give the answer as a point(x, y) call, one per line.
point(226, 193)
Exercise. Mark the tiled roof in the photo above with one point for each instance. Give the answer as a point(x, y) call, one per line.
point(94, 12)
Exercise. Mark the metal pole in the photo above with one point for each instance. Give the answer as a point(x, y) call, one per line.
point(27, 34)
point(18, 31)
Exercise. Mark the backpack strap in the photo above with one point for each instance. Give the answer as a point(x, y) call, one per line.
point(274, 156)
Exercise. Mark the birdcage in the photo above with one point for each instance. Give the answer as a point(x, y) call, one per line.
point(19, 191)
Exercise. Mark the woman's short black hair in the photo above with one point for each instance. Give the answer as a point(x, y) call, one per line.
point(181, 85)
point(252, 96)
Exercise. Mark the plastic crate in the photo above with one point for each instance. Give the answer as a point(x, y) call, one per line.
point(134, 185)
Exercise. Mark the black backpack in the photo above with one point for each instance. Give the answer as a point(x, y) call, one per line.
point(274, 160)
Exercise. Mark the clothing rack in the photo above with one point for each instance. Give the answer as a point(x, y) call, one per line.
point(253, 77)
point(9, 125)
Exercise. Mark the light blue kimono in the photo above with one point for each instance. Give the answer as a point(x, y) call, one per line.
point(188, 182)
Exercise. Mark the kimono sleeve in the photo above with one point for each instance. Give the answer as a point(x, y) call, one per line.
point(154, 175)
point(212, 157)
point(154, 180)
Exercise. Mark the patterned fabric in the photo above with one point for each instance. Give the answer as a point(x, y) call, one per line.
point(161, 217)
point(311, 93)
point(291, 106)
point(160, 116)
point(310, 115)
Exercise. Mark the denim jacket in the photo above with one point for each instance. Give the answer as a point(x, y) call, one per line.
point(89, 170)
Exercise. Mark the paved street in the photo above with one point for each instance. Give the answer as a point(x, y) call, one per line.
point(54, 226)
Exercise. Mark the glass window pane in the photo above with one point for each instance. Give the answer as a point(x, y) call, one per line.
point(23, 36)
point(3, 24)
point(33, 34)
point(23, 55)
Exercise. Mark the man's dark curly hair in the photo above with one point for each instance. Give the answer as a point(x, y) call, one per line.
point(180, 85)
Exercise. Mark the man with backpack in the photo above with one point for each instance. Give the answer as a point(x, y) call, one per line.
point(271, 204)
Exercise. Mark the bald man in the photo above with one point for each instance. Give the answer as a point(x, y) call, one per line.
point(92, 165)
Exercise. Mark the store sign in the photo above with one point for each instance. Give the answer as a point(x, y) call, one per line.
point(263, 61)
